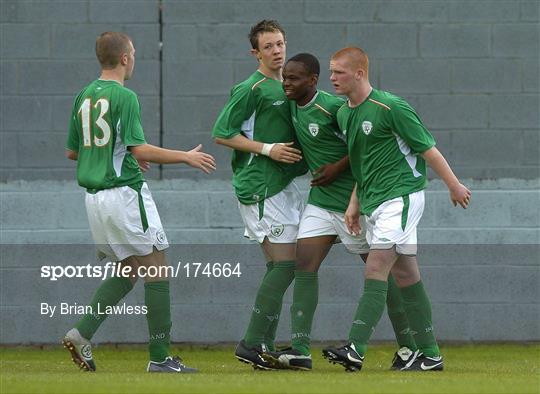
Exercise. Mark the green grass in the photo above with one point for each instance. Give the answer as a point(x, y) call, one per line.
point(498, 368)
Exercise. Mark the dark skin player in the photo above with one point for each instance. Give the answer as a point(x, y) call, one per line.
point(300, 85)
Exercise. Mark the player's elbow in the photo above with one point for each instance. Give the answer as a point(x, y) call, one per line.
point(71, 155)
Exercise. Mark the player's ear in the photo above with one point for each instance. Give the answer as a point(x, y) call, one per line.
point(256, 54)
point(314, 79)
point(124, 59)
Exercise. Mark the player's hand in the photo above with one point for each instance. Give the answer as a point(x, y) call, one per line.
point(201, 160)
point(459, 194)
point(325, 175)
point(144, 165)
point(352, 218)
point(285, 153)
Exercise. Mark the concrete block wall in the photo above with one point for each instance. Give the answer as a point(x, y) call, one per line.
point(470, 68)
point(480, 265)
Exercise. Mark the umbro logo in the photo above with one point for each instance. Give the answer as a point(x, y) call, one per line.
point(86, 351)
point(279, 102)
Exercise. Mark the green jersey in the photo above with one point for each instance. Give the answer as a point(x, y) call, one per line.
point(258, 109)
point(322, 143)
point(385, 137)
point(105, 121)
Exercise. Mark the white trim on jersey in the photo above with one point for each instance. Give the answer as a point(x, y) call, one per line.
point(248, 127)
point(119, 152)
point(406, 150)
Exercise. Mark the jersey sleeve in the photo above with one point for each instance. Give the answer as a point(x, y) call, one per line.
point(131, 130)
point(73, 135)
point(407, 124)
point(340, 120)
point(239, 108)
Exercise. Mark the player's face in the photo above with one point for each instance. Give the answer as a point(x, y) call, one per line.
point(130, 62)
point(297, 81)
point(272, 51)
point(342, 76)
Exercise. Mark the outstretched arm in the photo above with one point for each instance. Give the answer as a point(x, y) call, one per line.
point(459, 194)
point(194, 158)
point(283, 152)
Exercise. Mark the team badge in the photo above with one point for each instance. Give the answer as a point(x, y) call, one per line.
point(277, 229)
point(313, 129)
point(160, 236)
point(366, 127)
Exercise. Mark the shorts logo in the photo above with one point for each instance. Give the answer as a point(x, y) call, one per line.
point(277, 229)
point(366, 127)
point(160, 236)
point(313, 129)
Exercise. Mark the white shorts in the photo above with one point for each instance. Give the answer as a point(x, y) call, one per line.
point(317, 221)
point(394, 222)
point(276, 217)
point(124, 222)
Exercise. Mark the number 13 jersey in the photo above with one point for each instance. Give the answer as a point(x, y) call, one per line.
point(105, 121)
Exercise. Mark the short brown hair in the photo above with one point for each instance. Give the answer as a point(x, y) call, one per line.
point(357, 57)
point(110, 45)
point(264, 26)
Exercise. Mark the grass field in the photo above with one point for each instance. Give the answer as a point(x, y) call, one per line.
point(468, 369)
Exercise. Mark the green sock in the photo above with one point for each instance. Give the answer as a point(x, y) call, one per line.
point(368, 314)
point(418, 307)
point(270, 336)
point(398, 317)
point(268, 301)
point(305, 299)
point(158, 302)
point(109, 293)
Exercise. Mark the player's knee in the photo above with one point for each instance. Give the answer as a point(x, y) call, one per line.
point(306, 265)
point(375, 271)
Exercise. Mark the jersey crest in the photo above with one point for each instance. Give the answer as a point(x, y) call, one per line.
point(313, 129)
point(367, 126)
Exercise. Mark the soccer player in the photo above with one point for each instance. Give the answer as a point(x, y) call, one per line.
point(106, 138)
point(256, 123)
point(388, 150)
point(325, 150)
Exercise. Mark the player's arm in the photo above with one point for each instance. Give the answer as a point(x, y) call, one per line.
point(71, 154)
point(352, 214)
point(194, 158)
point(283, 152)
point(459, 194)
point(326, 174)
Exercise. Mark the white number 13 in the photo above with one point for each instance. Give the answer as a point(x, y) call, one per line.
point(85, 109)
